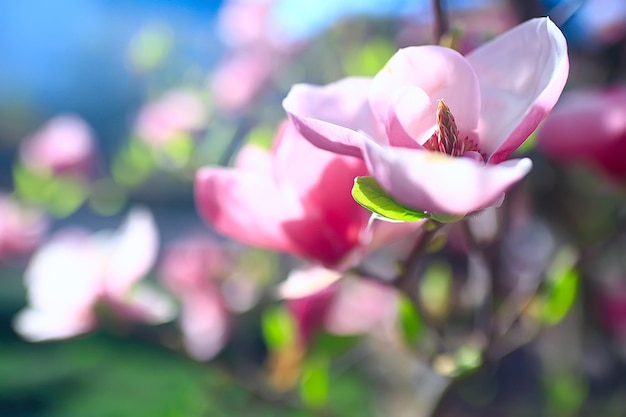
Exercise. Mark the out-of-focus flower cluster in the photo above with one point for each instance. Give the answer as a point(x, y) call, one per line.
point(436, 189)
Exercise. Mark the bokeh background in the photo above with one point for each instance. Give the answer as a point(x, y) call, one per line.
point(111, 106)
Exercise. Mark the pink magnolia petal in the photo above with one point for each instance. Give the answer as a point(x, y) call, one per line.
point(65, 144)
point(322, 181)
point(60, 290)
point(37, 325)
point(21, 228)
point(302, 283)
point(361, 306)
point(309, 311)
point(133, 252)
point(438, 183)
point(330, 137)
point(410, 120)
point(335, 117)
point(521, 75)
point(298, 165)
point(441, 73)
point(246, 207)
point(254, 159)
point(588, 125)
point(145, 303)
point(204, 323)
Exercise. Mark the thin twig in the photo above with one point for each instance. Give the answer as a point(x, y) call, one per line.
point(482, 279)
point(408, 282)
point(441, 24)
point(405, 281)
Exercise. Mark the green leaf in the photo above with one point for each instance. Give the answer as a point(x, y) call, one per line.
point(368, 193)
point(411, 323)
point(368, 60)
point(180, 149)
point(314, 383)
point(66, 195)
point(435, 288)
point(566, 392)
point(279, 329)
point(468, 358)
point(262, 137)
point(561, 287)
point(149, 48)
point(106, 197)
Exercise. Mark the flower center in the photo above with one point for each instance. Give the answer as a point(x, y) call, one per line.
point(446, 137)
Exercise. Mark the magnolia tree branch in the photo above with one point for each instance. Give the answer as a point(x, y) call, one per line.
point(441, 23)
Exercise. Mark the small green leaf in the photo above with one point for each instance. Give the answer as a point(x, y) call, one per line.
point(326, 344)
point(411, 323)
point(66, 195)
point(314, 383)
point(262, 137)
point(435, 288)
point(279, 329)
point(369, 59)
point(149, 48)
point(468, 358)
point(368, 193)
point(566, 392)
point(561, 287)
point(106, 198)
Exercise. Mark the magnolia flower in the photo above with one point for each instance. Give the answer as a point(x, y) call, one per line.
point(75, 272)
point(294, 199)
point(64, 145)
point(191, 269)
point(321, 299)
point(449, 121)
point(21, 228)
point(588, 126)
point(176, 112)
point(238, 78)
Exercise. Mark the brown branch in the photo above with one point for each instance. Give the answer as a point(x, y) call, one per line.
point(441, 24)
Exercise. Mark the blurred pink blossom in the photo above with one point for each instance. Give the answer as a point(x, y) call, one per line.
point(253, 59)
point(191, 270)
point(241, 76)
point(588, 126)
point(294, 199)
point(244, 22)
point(321, 299)
point(430, 156)
point(65, 144)
point(176, 112)
point(21, 228)
point(75, 271)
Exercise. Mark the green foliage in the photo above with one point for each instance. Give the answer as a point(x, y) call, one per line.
point(106, 198)
point(369, 59)
point(314, 382)
point(179, 149)
point(261, 136)
point(561, 287)
point(60, 195)
point(566, 392)
point(435, 288)
point(331, 345)
point(368, 193)
point(411, 323)
point(133, 164)
point(151, 46)
point(99, 376)
point(279, 329)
